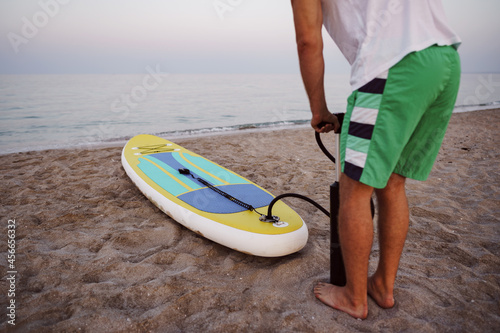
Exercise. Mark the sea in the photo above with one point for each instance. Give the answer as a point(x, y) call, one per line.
point(39, 112)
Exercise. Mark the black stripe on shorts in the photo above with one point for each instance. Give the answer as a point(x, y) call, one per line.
point(375, 86)
point(360, 130)
point(353, 171)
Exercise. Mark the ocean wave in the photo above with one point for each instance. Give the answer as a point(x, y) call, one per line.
point(477, 107)
point(234, 128)
point(218, 130)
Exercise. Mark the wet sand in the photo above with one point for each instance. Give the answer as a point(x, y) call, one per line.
point(94, 255)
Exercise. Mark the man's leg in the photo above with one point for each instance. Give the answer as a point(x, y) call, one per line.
point(356, 237)
point(393, 224)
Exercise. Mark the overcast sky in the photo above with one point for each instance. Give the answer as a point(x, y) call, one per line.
point(192, 36)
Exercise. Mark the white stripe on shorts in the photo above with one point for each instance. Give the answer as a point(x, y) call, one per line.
point(355, 157)
point(364, 115)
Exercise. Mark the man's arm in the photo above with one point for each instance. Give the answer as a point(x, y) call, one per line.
point(308, 20)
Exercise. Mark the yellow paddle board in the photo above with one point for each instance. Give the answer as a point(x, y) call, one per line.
point(210, 199)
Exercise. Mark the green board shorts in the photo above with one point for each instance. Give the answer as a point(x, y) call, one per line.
point(397, 124)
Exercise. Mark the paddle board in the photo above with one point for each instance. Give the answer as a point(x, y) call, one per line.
point(206, 198)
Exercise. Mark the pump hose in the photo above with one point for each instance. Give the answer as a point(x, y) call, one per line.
point(340, 117)
point(323, 148)
point(295, 195)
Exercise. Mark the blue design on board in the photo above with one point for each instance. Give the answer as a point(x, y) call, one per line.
point(197, 194)
point(175, 161)
point(209, 201)
point(215, 170)
point(161, 178)
point(173, 167)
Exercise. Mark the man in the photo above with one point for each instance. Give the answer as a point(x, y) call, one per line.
point(405, 76)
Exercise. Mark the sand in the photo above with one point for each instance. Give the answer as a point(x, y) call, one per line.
point(94, 255)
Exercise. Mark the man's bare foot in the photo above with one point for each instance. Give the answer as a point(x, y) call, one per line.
point(336, 298)
point(381, 295)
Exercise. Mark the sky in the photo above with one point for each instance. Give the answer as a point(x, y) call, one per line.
point(192, 36)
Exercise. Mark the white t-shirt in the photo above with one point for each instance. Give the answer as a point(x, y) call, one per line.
point(374, 35)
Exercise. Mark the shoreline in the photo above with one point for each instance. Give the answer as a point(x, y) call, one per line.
point(208, 132)
point(199, 133)
point(93, 254)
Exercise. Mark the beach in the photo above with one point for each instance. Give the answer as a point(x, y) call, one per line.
point(93, 254)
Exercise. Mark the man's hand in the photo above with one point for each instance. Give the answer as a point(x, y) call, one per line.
point(325, 122)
